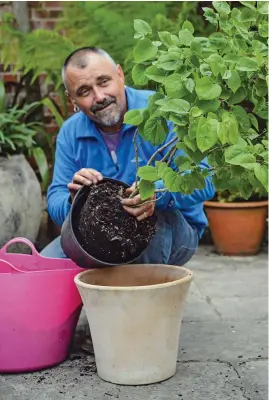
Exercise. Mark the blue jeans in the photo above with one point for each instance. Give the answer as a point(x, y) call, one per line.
point(174, 243)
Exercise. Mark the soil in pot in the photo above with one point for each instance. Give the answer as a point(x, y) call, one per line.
point(106, 231)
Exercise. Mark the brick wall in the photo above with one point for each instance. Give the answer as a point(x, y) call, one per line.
point(42, 15)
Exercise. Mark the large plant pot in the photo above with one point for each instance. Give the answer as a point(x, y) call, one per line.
point(134, 313)
point(20, 200)
point(69, 237)
point(237, 228)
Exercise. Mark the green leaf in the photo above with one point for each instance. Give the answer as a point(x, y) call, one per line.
point(216, 63)
point(43, 168)
point(206, 133)
point(261, 173)
point(50, 104)
point(206, 106)
point(133, 117)
point(148, 173)
point(153, 108)
point(176, 106)
point(218, 40)
point(186, 37)
point(206, 89)
point(234, 82)
point(248, 15)
point(183, 163)
point(142, 27)
point(192, 131)
point(189, 84)
point(263, 29)
point(138, 75)
point(155, 130)
point(174, 86)
point(146, 189)
point(227, 130)
point(188, 25)
point(242, 117)
point(195, 112)
point(169, 65)
point(198, 180)
point(191, 144)
point(155, 74)
point(196, 48)
point(250, 4)
point(144, 50)
point(247, 64)
point(162, 169)
point(254, 121)
point(262, 7)
point(238, 96)
point(231, 58)
point(221, 7)
point(237, 155)
point(172, 181)
point(210, 15)
point(166, 38)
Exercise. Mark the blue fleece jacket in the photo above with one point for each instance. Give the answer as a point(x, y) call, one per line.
point(80, 145)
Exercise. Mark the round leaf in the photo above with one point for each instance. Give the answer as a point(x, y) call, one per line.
point(148, 173)
point(188, 25)
point(142, 27)
point(133, 117)
point(144, 50)
point(138, 75)
point(206, 89)
point(186, 37)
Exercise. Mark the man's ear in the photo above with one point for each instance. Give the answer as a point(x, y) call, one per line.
point(120, 72)
point(67, 93)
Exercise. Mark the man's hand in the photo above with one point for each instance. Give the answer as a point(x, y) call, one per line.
point(85, 176)
point(140, 212)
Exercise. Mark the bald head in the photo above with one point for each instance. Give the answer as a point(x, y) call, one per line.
point(81, 58)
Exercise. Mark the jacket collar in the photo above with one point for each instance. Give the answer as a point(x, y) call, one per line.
point(88, 128)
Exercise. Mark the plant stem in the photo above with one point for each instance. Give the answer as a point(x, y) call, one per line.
point(153, 201)
point(136, 157)
point(172, 154)
point(154, 155)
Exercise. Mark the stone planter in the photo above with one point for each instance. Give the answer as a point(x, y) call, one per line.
point(20, 200)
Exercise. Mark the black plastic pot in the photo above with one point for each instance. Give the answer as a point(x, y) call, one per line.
point(69, 240)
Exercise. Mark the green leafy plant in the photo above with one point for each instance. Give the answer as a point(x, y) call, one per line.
point(214, 90)
point(18, 134)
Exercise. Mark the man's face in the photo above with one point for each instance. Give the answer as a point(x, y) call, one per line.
point(98, 90)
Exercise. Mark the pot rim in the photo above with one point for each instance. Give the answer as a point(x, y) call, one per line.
point(186, 279)
point(247, 204)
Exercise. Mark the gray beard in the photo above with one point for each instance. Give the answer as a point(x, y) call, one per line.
point(109, 117)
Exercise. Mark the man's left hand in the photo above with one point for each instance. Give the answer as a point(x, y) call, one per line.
point(142, 211)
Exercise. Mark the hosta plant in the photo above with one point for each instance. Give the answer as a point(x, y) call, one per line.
point(214, 91)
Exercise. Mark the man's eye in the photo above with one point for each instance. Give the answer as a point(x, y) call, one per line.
point(84, 92)
point(105, 80)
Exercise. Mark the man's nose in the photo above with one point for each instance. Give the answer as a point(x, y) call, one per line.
point(99, 95)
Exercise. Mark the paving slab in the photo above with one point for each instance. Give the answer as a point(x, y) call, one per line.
point(222, 347)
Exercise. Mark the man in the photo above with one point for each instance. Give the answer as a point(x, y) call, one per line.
point(94, 143)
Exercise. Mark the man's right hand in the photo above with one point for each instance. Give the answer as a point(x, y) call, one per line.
point(85, 176)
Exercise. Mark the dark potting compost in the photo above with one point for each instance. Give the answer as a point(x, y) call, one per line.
point(106, 231)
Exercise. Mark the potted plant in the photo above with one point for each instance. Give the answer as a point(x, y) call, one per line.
point(214, 90)
point(20, 199)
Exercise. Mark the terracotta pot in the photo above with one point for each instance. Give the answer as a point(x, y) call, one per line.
point(237, 228)
point(135, 313)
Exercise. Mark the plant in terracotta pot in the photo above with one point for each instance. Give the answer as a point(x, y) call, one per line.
point(20, 197)
point(214, 90)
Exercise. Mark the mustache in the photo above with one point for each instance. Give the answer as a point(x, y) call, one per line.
point(106, 102)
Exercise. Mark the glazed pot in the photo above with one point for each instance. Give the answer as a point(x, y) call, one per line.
point(237, 228)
